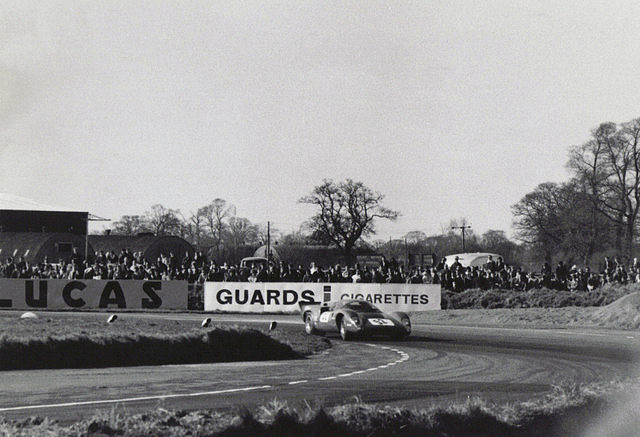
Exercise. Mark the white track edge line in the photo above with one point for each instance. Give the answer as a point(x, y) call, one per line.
point(141, 398)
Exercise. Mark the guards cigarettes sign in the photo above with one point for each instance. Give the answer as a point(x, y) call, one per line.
point(259, 297)
point(92, 294)
point(256, 297)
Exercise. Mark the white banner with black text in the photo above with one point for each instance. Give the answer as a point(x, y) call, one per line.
point(58, 294)
point(284, 297)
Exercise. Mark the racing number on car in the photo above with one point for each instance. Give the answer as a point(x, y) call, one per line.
point(381, 322)
point(324, 317)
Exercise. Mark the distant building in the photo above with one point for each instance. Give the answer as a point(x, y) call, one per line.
point(34, 231)
point(35, 247)
point(18, 214)
point(150, 245)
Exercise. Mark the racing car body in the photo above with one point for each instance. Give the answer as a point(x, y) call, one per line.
point(353, 318)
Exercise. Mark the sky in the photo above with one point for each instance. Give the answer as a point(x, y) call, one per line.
point(449, 108)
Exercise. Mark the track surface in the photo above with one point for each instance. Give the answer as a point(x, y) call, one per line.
point(437, 362)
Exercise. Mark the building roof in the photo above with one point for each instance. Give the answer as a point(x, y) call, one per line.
point(135, 243)
point(13, 202)
point(10, 201)
point(21, 242)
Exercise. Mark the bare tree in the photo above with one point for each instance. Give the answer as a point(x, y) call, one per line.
point(608, 168)
point(415, 237)
point(194, 231)
point(163, 221)
point(346, 212)
point(215, 217)
point(241, 231)
point(496, 241)
point(295, 238)
point(268, 232)
point(536, 218)
point(560, 218)
point(130, 225)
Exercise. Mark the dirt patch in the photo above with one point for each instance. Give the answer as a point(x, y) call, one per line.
point(623, 313)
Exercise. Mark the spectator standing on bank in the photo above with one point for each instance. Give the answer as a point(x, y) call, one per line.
point(490, 264)
point(456, 267)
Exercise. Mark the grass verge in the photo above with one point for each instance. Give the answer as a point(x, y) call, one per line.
point(568, 411)
point(535, 298)
point(80, 351)
point(86, 340)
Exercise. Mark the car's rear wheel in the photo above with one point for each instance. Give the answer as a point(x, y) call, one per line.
point(309, 325)
point(346, 335)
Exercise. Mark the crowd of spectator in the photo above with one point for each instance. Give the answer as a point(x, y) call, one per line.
point(197, 268)
point(495, 274)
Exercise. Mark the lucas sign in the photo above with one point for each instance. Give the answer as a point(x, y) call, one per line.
point(92, 294)
point(258, 297)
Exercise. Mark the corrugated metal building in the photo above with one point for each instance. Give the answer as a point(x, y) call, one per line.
point(18, 214)
point(34, 231)
point(150, 245)
point(35, 246)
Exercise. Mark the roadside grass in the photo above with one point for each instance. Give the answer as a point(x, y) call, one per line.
point(77, 341)
point(567, 411)
point(535, 298)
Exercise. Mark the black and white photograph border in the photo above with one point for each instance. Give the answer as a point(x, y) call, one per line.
point(209, 211)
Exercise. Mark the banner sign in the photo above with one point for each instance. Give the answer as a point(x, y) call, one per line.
point(259, 297)
point(392, 297)
point(57, 294)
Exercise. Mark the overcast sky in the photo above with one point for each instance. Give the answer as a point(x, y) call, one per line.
point(451, 109)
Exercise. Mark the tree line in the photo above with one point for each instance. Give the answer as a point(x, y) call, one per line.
point(596, 210)
point(218, 231)
point(214, 229)
point(346, 212)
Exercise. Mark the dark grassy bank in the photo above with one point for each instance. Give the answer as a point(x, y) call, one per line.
point(536, 298)
point(76, 351)
point(566, 412)
point(86, 340)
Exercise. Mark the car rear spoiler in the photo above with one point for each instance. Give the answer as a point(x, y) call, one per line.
point(307, 305)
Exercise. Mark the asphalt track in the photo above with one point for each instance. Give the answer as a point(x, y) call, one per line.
point(436, 363)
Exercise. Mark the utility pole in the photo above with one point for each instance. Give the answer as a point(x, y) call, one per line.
point(268, 242)
point(90, 218)
point(463, 229)
point(406, 253)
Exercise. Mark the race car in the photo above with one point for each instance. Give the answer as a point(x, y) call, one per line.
point(353, 318)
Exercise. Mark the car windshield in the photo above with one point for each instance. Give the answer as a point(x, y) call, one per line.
point(363, 306)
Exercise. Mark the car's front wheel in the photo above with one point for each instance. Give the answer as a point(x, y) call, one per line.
point(344, 334)
point(309, 325)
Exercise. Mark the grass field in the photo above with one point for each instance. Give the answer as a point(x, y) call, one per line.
point(87, 340)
